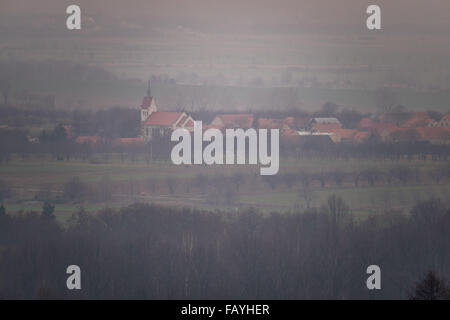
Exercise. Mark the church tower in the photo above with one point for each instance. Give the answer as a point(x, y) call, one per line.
point(148, 105)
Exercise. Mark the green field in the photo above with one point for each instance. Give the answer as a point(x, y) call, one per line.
point(137, 181)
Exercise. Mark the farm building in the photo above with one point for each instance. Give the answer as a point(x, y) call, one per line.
point(231, 121)
point(325, 124)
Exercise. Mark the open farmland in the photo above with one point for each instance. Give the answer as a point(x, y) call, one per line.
point(33, 180)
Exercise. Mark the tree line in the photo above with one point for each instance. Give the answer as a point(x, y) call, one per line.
point(150, 252)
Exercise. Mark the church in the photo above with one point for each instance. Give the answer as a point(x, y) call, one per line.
point(155, 124)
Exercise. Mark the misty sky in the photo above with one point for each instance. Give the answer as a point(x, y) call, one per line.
point(419, 12)
point(219, 39)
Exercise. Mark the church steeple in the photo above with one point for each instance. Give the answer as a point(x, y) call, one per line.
point(148, 90)
point(148, 105)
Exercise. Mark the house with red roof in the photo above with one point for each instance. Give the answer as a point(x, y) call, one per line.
point(267, 123)
point(418, 119)
point(382, 129)
point(287, 126)
point(435, 135)
point(298, 123)
point(342, 135)
point(232, 121)
point(156, 123)
point(445, 121)
point(349, 135)
point(366, 123)
point(386, 129)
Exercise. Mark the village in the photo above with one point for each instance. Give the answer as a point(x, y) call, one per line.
point(224, 151)
point(413, 126)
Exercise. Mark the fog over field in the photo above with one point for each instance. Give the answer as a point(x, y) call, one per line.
point(318, 45)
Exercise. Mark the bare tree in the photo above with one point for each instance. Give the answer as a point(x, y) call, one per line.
point(339, 177)
point(5, 88)
point(306, 194)
point(5, 190)
point(337, 209)
point(238, 180)
point(171, 184)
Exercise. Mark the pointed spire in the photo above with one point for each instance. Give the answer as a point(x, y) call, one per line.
point(148, 89)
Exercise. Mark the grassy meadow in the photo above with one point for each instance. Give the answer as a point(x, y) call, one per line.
point(33, 180)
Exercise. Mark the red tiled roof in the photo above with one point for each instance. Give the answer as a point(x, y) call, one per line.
point(243, 120)
point(345, 133)
point(183, 119)
point(289, 132)
point(87, 139)
point(417, 119)
point(146, 102)
point(162, 118)
point(189, 123)
point(377, 127)
point(265, 123)
point(433, 133)
point(366, 122)
point(380, 127)
point(326, 127)
point(297, 122)
point(129, 140)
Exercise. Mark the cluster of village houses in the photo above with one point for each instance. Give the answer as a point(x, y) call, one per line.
point(419, 127)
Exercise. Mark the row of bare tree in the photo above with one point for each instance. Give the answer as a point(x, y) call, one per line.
point(150, 252)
